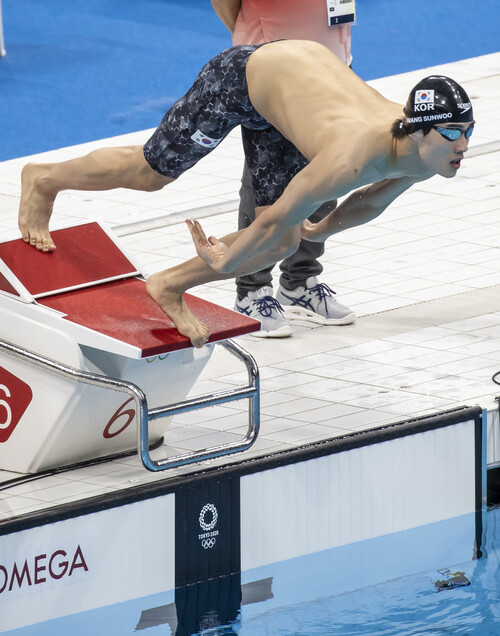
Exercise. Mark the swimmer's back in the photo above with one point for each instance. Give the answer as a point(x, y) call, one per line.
point(302, 88)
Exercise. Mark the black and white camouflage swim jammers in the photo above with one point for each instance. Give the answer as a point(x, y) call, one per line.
point(217, 102)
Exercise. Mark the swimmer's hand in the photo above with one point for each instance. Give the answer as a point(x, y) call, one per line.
point(211, 250)
point(315, 232)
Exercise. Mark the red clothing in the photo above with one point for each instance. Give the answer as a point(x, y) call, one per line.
point(266, 20)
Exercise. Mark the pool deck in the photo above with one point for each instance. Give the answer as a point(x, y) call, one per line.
point(423, 279)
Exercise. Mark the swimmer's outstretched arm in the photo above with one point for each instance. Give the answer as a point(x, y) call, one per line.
point(277, 225)
point(360, 207)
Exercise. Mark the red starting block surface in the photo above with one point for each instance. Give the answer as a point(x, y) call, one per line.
point(86, 306)
point(85, 255)
point(124, 310)
point(91, 282)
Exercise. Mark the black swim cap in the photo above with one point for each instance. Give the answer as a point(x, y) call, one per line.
point(436, 100)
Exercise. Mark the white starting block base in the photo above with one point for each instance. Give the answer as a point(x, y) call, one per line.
point(104, 324)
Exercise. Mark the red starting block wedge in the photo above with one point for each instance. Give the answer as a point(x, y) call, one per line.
point(124, 311)
point(85, 305)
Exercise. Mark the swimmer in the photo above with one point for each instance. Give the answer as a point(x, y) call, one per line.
point(312, 131)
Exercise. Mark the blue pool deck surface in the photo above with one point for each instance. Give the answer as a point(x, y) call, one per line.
point(423, 279)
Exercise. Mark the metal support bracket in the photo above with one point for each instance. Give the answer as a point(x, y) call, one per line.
point(251, 392)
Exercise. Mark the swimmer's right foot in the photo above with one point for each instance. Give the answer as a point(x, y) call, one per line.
point(172, 303)
point(35, 209)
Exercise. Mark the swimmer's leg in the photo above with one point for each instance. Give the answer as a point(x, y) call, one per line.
point(103, 169)
point(166, 287)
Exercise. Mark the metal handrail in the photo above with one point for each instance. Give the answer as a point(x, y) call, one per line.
point(251, 392)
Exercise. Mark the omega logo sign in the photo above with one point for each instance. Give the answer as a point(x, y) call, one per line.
point(208, 520)
point(41, 569)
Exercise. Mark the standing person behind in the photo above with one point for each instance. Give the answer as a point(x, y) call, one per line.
point(300, 294)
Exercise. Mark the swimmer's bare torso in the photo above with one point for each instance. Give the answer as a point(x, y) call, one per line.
point(326, 110)
point(341, 125)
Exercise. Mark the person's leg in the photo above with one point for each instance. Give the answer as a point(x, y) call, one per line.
point(102, 169)
point(298, 267)
point(246, 215)
point(300, 293)
point(271, 162)
point(212, 107)
point(166, 287)
point(254, 295)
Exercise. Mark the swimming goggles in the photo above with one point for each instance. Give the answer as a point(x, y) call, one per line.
point(452, 134)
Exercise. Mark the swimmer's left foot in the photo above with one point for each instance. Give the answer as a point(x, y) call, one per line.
point(161, 289)
point(314, 303)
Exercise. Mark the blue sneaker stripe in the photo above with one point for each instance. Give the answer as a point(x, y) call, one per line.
point(301, 302)
point(243, 310)
point(265, 307)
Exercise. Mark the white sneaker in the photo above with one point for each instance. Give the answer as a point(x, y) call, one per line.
point(314, 303)
point(261, 305)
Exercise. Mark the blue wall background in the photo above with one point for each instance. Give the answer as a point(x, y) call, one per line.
point(80, 71)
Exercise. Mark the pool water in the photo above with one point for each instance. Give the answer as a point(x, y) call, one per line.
point(411, 605)
point(408, 606)
point(461, 598)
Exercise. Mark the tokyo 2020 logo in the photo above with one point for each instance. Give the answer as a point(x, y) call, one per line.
point(208, 520)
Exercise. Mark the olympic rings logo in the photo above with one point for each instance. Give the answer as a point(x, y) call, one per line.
point(208, 543)
point(208, 508)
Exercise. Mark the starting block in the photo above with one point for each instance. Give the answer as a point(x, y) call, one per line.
point(77, 330)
